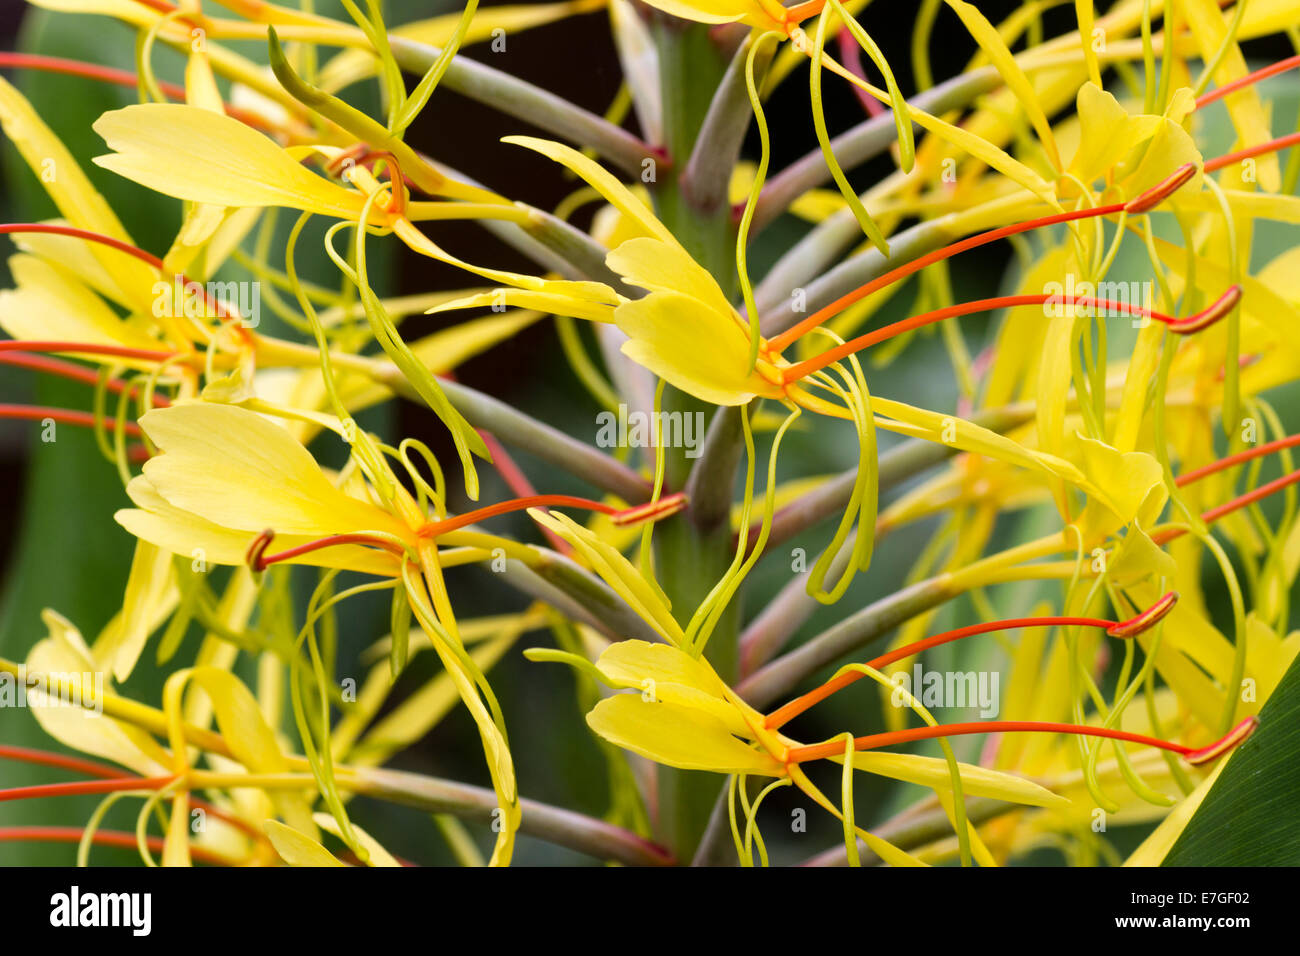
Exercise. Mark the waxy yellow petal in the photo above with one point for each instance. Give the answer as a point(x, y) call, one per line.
point(235, 469)
point(297, 849)
point(191, 153)
point(665, 673)
point(64, 653)
point(677, 736)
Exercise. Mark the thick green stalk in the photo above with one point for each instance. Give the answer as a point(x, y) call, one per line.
point(693, 550)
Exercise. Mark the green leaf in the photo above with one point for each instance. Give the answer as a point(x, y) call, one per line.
point(1248, 817)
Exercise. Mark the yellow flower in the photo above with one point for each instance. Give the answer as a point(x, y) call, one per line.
point(227, 474)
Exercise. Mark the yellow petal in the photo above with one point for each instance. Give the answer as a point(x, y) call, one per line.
point(235, 469)
point(252, 742)
point(78, 201)
point(696, 348)
point(190, 153)
point(991, 42)
point(179, 532)
point(665, 673)
point(52, 303)
point(151, 595)
point(378, 855)
point(677, 736)
point(1107, 132)
point(65, 654)
point(615, 193)
point(295, 848)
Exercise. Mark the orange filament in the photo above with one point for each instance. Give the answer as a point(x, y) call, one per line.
point(81, 787)
point(1128, 628)
point(801, 11)
point(518, 482)
point(362, 153)
point(1141, 204)
point(69, 370)
point(1259, 451)
point(1146, 619)
point(1273, 145)
point(45, 758)
point(1281, 66)
point(86, 348)
point(93, 768)
point(64, 416)
point(1214, 514)
point(668, 505)
point(108, 74)
point(1194, 755)
point(113, 838)
point(1193, 323)
point(258, 559)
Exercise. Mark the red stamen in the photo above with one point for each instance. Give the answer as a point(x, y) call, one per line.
point(1281, 66)
point(114, 838)
point(45, 758)
point(108, 74)
point(258, 559)
point(1146, 619)
point(69, 370)
point(92, 71)
point(63, 416)
point(1231, 739)
point(1185, 326)
point(1214, 514)
point(1273, 145)
point(93, 768)
point(518, 482)
point(85, 348)
point(665, 506)
point(361, 154)
point(871, 742)
point(1141, 204)
point(851, 56)
point(1128, 628)
point(82, 787)
point(1161, 191)
point(1259, 451)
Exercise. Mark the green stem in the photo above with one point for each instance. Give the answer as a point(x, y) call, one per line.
point(693, 550)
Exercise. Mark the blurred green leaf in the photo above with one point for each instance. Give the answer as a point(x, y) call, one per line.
point(1248, 817)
